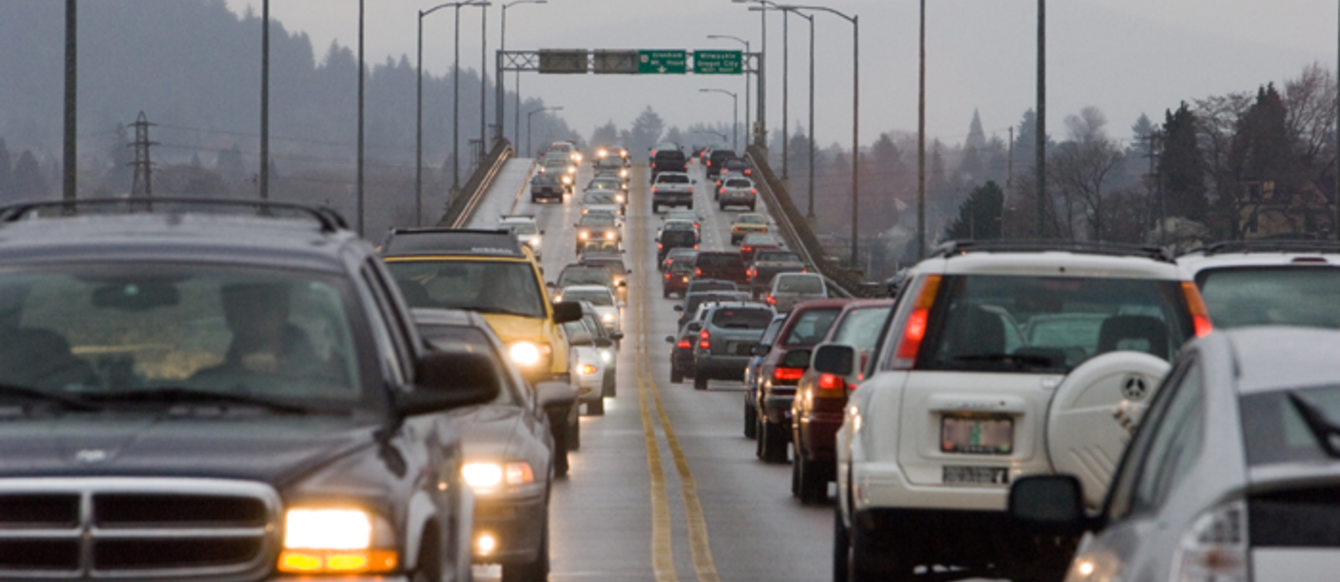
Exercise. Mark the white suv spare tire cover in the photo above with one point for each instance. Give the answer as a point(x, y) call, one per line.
point(1094, 412)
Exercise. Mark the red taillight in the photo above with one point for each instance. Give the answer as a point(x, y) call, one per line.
point(721, 191)
point(916, 324)
point(787, 374)
point(697, 272)
point(831, 382)
point(697, 225)
point(667, 276)
point(695, 247)
point(653, 189)
point(772, 300)
point(748, 172)
point(709, 163)
point(705, 334)
point(659, 246)
point(690, 190)
point(684, 344)
point(1200, 317)
point(704, 344)
point(753, 190)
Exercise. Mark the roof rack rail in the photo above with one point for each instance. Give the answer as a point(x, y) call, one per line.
point(326, 217)
point(954, 247)
point(1268, 245)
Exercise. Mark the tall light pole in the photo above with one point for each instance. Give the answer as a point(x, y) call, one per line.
point(746, 78)
point(528, 118)
point(921, 140)
point(71, 110)
point(456, 98)
point(855, 114)
point(418, 116)
point(1041, 129)
point(735, 108)
point(265, 100)
point(359, 187)
point(483, 76)
point(761, 136)
point(502, 46)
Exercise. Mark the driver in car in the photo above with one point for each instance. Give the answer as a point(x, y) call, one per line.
point(264, 341)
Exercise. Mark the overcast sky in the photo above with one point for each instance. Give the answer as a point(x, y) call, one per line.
point(1126, 57)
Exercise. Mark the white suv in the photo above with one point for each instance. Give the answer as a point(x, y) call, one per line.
point(1268, 282)
point(990, 369)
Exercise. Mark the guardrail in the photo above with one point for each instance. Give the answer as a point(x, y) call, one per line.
point(462, 207)
point(797, 232)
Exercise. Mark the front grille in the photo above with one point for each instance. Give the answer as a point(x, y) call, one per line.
point(140, 529)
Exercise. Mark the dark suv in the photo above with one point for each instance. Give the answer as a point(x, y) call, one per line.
point(727, 265)
point(716, 160)
point(208, 390)
point(668, 160)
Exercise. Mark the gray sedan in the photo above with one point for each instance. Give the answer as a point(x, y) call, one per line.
point(1232, 475)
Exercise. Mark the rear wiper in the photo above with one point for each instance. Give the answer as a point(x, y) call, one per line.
point(1325, 430)
point(177, 395)
point(1019, 360)
point(65, 401)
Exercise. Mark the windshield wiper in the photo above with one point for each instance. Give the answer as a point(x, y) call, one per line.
point(65, 401)
point(503, 311)
point(1019, 360)
point(1321, 425)
point(177, 395)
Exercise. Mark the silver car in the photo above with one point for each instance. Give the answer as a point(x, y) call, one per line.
point(788, 289)
point(1232, 475)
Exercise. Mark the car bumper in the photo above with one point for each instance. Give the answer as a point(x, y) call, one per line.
point(366, 578)
point(818, 435)
point(777, 407)
point(884, 485)
point(729, 198)
point(722, 367)
point(515, 524)
point(683, 361)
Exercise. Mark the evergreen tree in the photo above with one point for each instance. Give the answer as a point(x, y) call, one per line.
point(1181, 169)
point(976, 137)
point(979, 216)
point(607, 134)
point(646, 132)
point(1141, 131)
point(29, 183)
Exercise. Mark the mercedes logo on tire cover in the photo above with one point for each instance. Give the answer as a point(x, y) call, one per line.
point(1134, 387)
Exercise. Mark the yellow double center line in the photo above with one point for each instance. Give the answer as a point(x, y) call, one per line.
point(662, 547)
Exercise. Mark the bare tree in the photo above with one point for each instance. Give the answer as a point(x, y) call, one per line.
point(1217, 119)
point(1081, 166)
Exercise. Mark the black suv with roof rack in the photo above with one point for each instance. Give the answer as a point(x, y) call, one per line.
point(211, 390)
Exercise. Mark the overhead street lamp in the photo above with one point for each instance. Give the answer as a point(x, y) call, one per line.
point(761, 136)
point(855, 112)
point(786, 72)
point(502, 46)
point(456, 97)
point(528, 118)
point(735, 108)
point(746, 77)
point(418, 115)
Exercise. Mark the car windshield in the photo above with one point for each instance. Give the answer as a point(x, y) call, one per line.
point(800, 284)
point(810, 326)
point(598, 197)
point(1275, 429)
point(678, 237)
point(599, 298)
point(1028, 323)
point(738, 183)
point(741, 318)
point(672, 179)
point(585, 276)
point(130, 328)
point(597, 219)
point(522, 227)
point(1298, 295)
point(775, 257)
point(860, 327)
point(751, 219)
point(504, 287)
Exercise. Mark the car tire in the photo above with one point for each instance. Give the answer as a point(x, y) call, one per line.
point(574, 436)
point(865, 563)
point(655, 208)
point(699, 382)
point(537, 569)
point(750, 421)
point(841, 546)
point(665, 293)
point(751, 206)
point(561, 454)
point(676, 376)
point(811, 486)
point(774, 439)
point(721, 206)
point(596, 407)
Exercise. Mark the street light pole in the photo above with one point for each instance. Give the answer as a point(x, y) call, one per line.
point(359, 188)
point(531, 114)
point(418, 117)
point(855, 114)
point(483, 76)
point(746, 80)
point(502, 90)
point(735, 107)
point(761, 136)
point(921, 141)
point(265, 100)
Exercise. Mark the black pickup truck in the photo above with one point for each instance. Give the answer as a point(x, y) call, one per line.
point(220, 390)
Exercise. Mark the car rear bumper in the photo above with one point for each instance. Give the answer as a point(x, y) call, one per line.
point(515, 524)
point(722, 367)
point(777, 407)
point(884, 485)
point(818, 435)
point(729, 198)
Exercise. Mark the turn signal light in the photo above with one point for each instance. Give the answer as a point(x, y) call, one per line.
point(1200, 317)
point(916, 324)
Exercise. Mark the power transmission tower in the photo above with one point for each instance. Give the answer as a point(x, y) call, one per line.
point(142, 185)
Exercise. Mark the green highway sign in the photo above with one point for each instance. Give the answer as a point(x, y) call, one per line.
point(662, 62)
point(717, 62)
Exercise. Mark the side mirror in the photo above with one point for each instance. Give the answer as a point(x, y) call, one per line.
point(565, 312)
point(695, 326)
point(1052, 502)
point(559, 395)
point(669, 339)
point(679, 308)
point(604, 342)
point(796, 359)
point(446, 380)
point(550, 284)
point(836, 359)
point(616, 336)
point(759, 349)
point(623, 283)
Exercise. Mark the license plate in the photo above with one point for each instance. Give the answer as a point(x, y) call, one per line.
point(977, 435)
point(738, 348)
point(951, 474)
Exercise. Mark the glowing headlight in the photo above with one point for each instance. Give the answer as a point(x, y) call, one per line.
point(335, 541)
point(606, 356)
point(524, 354)
point(583, 235)
point(609, 235)
point(483, 475)
point(534, 242)
point(602, 153)
point(567, 179)
point(619, 198)
point(607, 318)
point(623, 173)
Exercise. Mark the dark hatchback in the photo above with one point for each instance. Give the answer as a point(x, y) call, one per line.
point(676, 279)
point(668, 160)
point(727, 265)
point(197, 387)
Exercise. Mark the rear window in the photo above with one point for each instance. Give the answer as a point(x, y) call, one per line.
point(800, 284)
point(677, 236)
point(1308, 296)
point(1052, 324)
point(681, 267)
point(720, 260)
point(1274, 430)
point(811, 326)
point(860, 327)
point(731, 318)
point(585, 276)
point(777, 257)
point(738, 183)
point(672, 179)
point(711, 285)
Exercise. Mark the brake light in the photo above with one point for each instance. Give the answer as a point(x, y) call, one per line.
point(787, 374)
point(1200, 317)
point(667, 276)
point(916, 324)
point(709, 163)
point(721, 191)
point(697, 272)
point(753, 190)
point(831, 382)
point(705, 340)
point(772, 300)
point(653, 189)
point(695, 247)
point(659, 246)
point(748, 172)
point(684, 344)
point(690, 190)
point(705, 334)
